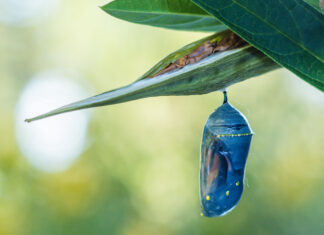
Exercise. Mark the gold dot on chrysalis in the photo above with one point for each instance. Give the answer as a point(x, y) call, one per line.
point(207, 198)
point(201, 214)
point(237, 183)
point(227, 193)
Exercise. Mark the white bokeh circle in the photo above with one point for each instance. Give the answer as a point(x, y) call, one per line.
point(52, 144)
point(25, 12)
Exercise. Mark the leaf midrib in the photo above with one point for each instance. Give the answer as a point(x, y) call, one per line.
point(161, 13)
point(279, 31)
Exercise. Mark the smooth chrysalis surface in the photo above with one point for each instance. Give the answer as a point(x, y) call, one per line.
point(225, 146)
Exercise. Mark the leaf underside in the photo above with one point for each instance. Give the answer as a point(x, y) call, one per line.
point(215, 72)
point(291, 32)
point(172, 14)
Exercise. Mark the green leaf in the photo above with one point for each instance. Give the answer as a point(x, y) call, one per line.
point(215, 72)
point(172, 14)
point(289, 31)
point(315, 4)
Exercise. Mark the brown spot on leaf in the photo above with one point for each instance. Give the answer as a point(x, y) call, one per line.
point(232, 41)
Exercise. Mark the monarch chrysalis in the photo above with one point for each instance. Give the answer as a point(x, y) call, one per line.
point(225, 146)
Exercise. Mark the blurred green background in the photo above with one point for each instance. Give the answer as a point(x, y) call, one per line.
point(138, 173)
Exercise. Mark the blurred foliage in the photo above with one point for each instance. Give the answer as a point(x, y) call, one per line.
point(139, 174)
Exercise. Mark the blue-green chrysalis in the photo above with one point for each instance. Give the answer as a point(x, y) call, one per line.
point(225, 146)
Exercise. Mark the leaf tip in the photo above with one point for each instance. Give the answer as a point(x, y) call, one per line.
point(28, 120)
point(107, 6)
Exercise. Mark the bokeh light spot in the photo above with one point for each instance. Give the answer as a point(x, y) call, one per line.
point(51, 144)
point(17, 12)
